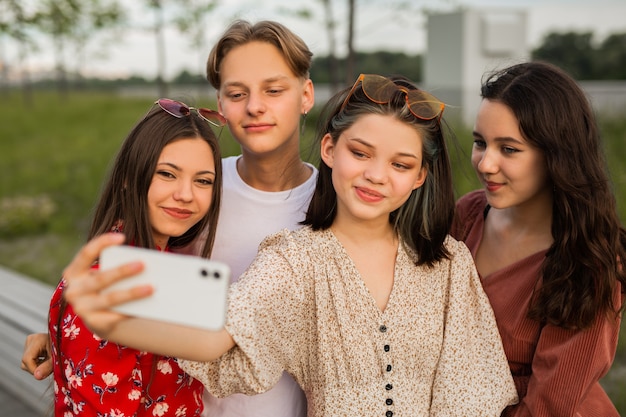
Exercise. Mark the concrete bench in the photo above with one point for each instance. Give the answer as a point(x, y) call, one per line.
point(24, 306)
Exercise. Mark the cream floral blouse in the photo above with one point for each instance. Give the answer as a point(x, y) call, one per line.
point(302, 307)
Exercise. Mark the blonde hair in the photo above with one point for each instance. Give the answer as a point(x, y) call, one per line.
point(291, 46)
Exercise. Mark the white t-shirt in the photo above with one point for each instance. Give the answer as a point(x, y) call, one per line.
point(247, 216)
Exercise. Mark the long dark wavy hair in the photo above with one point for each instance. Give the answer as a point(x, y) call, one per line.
point(584, 264)
point(424, 220)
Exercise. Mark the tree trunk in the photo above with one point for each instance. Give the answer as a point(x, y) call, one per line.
point(160, 46)
point(27, 88)
point(350, 60)
point(333, 66)
point(61, 73)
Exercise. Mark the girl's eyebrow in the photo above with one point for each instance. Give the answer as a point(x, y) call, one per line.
point(370, 146)
point(361, 141)
point(177, 168)
point(170, 164)
point(505, 139)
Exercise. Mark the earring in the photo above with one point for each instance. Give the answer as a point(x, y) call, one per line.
point(303, 123)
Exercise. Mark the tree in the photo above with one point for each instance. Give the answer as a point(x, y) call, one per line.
point(401, 13)
point(191, 20)
point(350, 59)
point(72, 23)
point(333, 65)
point(331, 61)
point(55, 18)
point(189, 17)
point(15, 22)
point(571, 51)
point(576, 54)
point(379, 62)
point(159, 24)
point(96, 16)
point(611, 57)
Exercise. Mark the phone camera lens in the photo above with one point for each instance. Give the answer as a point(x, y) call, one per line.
point(217, 275)
point(204, 272)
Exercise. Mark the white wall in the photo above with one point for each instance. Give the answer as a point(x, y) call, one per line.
point(462, 46)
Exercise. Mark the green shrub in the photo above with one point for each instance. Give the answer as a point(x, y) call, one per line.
point(24, 215)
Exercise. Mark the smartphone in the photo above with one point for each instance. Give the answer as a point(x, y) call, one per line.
point(188, 290)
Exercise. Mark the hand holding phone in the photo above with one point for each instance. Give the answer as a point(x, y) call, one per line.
point(188, 290)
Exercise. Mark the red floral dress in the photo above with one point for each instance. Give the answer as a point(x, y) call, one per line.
point(94, 377)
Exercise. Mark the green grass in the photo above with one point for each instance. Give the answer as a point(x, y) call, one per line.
point(56, 151)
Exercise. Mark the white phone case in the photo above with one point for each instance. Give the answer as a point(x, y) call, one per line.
point(188, 290)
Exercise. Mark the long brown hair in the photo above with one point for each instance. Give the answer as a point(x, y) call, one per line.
point(125, 192)
point(583, 266)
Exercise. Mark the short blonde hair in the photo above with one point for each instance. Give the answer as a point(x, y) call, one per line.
point(241, 32)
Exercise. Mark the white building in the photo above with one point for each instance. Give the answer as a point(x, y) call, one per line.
point(462, 46)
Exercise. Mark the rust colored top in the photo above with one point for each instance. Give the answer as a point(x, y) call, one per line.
point(556, 371)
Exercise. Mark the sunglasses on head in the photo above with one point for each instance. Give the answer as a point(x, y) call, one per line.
point(380, 90)
point(180, 109)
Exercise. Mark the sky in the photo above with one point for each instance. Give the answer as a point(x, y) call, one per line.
point(378, 27)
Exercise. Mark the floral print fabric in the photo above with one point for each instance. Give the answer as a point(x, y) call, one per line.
point(94, 377)
point(302, 307)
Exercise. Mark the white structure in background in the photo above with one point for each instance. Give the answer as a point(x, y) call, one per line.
point(465, 44)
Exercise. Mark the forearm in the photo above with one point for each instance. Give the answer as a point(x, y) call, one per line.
point(171, 340)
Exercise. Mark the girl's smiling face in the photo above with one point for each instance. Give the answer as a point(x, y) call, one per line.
point(181, 190)
point(512, 171)
point(376, 164)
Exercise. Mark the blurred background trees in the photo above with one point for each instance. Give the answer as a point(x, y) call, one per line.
point(580, 56)
point(69, 28)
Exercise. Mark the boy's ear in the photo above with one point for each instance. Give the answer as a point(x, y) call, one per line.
point(219, 102)
point(327, 150)
point(308, 96)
